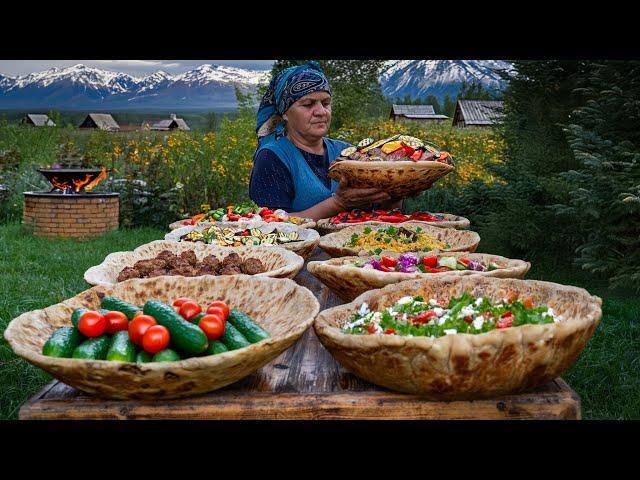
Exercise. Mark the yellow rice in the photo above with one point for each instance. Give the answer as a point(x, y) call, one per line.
point(375, 239)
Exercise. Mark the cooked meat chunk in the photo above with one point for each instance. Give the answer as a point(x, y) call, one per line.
point(251, 266)
point(127, 273)
point(204, 269)
point(212, 261)
point(190, 257)
point(157, 272)
point(233, 259)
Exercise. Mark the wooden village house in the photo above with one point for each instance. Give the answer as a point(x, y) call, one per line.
point(38, 120)
point(415, 113)
point(173, 123)
point(477, 113)
point(101, 121)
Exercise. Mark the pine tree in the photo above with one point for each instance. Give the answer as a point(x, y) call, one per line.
point(604, 201)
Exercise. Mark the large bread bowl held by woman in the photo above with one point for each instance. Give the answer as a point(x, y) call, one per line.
point(462, 365)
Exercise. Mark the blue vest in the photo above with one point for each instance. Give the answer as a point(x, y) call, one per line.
point(308, 188)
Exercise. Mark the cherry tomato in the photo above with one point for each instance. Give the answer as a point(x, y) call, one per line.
point(212, 326)
point(216, 311)
point(116, 321)
point(179, 301)
point(222, 305)
point(371, 328)
point(189, 309)
point(92, 324)
point(155, 339)
point(138, 326)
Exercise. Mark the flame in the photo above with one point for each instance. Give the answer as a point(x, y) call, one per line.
point(78, 185)
point(97, 180)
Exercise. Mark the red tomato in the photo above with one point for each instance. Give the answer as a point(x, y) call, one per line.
point(424, 317)
point(431, 261)
point(155, 339)
point(388, 261)
point(116, 321)
point(222, 305)
point(189, 309)
point(212, 326)
point(390, 331)
point(138, 326)
point(386, 269)
point(92, 324)
point(371, 328)
point(506, 320)
point(216, 311)
point(179, 301)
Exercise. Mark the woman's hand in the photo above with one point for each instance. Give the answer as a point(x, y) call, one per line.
point(349, 197)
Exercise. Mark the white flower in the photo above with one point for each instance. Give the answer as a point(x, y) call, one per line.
point(179, 186)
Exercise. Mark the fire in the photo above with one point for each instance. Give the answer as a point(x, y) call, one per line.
point(76, 185)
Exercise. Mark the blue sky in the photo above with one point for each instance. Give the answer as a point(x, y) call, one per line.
point(138, 68)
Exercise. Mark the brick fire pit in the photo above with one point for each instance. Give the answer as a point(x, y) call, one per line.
point(77, 215)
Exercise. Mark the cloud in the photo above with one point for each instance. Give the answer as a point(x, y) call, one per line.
point(137, 63)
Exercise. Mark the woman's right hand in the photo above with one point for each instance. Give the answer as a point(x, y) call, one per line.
point(349, 198)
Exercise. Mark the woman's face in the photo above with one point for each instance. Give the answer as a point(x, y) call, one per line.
point(310, 115)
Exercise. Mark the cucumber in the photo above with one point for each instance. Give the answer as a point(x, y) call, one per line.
point(166, 355)
point(113, 303)
point(77, 313)
point(216, 347)
point(143, 357)
point(232, 338)
point(249, 329)
point(62, 343)
point(121, 349)
point(185, 336)
point(196, 320)
point(95, 348)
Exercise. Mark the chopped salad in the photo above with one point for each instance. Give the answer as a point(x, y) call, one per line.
point(395, 239)
point(389, 216)
point(234, 237)
point(245, 212)
point(395, 148)
point(412, 262)
point(413, 317)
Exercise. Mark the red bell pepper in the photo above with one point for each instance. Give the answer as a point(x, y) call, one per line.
point(416, 155)
point(233, 217)
point(388, 261)
point(430, 262)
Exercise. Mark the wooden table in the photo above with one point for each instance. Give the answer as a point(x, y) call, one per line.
point(305, 382)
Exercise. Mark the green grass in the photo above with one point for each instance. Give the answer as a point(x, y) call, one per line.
point(37, 272)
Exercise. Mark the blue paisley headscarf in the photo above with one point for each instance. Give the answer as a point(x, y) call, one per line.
point(284, 90)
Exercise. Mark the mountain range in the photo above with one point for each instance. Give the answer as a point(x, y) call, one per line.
point(212, 87)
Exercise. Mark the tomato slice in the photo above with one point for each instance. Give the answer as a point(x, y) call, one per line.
point(388, 261)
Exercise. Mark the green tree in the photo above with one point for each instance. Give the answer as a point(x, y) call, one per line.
point(448, 106)
point(474, 90)
point(604, 134)
point(55, 116)
point(211, 121)
point(356, 89)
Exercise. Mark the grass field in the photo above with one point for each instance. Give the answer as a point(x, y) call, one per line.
point(37, 272)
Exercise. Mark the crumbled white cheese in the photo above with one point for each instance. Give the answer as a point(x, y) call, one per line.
point(433, 302)
point(478, 322)
point(478, 301)
point(438, 311)
point(443, 319)
point(376, 317)
point(405, 300)
point(364, 309)
point(404, 317)
point(467, 311)
point(450, 331)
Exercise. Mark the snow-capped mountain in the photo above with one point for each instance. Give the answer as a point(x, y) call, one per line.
point(82, 87)
point(419, 78)
point(213, 86)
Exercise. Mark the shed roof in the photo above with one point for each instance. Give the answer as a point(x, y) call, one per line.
point(481, 112)
point(412, 110)
point(40, 120)
point(104, 121)
point(166, 124)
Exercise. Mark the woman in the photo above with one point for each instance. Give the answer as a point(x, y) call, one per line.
point(293, 155)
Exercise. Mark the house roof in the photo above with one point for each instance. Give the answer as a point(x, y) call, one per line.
point(104, 121)
point(166, 124)
point(41, 120)
point(480, 112)
point(412, 110)
point(432, 117)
